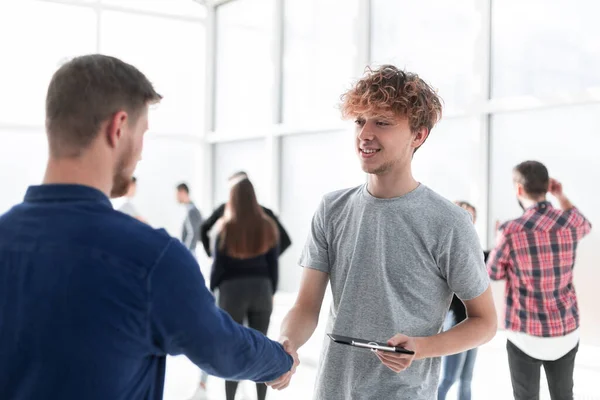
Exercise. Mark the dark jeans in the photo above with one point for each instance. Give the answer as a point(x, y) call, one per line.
point(525, 374)
point(248, 299)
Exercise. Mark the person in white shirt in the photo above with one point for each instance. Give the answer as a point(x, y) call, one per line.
point(128, 207)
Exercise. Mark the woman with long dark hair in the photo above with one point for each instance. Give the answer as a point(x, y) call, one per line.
point(245, 268)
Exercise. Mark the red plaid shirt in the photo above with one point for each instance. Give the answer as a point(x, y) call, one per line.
point(535, 254)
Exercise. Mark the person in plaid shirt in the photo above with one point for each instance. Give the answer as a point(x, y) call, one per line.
point(536, 254)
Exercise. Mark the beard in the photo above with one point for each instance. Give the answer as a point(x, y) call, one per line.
point(380, 169)
point(121, 184)
point(121, 177)
point(520, 204)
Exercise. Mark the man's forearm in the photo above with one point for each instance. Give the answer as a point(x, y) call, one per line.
point(298, 326)
point(243, 354)
point(471, 333)
point(565, 203)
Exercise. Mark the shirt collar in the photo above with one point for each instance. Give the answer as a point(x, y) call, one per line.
point(65, 192)
point(541, 206)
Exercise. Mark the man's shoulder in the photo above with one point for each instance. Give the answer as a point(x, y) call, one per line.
point(130, 238)
point(127, 225)
point(101, 230)
point(337, 198)
point(553, 219)
point(441, 208)
point(194, 211)
point(511, 226)
point(527, 222)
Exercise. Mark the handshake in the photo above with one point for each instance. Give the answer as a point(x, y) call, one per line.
point(397, 362)
point(284, 380)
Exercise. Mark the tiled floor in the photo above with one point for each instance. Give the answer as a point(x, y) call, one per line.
point(491, 379)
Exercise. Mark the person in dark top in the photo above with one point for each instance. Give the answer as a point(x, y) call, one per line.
point(458, 366)
point(284, 239)
point(193, 218)
point(245, 264)
point(92, 300)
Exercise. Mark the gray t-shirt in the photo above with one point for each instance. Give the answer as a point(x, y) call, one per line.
point(393, 266)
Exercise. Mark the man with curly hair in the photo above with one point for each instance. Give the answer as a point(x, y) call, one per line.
point(394, 252)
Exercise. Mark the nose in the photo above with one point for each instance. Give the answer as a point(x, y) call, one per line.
point(365, 132)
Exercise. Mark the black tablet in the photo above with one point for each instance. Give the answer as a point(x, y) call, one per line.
point(368, 344)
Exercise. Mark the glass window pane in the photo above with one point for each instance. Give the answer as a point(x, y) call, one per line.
point(177, 71)
point(23, 158)
point(37, 37)
point(307, 173)
point(245, 65)
point(189, 8)
point(450, 162)
point(540, 47)
point(566, 140)
point(319, 58)
point(245, 155)
point(436, 39)
point(166, 163)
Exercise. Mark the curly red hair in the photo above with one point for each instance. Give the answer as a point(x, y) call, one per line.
point(389, 90)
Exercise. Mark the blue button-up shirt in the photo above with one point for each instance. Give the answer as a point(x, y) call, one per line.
point(92, 301)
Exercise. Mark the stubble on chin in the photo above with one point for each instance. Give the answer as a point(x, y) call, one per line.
point(121, 180)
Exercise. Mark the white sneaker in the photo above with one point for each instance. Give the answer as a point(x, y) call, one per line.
point(199, 395)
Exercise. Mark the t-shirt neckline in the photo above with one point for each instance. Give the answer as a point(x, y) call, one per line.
point(408, 196)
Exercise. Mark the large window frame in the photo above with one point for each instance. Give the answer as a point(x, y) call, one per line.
point(482, 109)
point(99, 8)
point(192, 138)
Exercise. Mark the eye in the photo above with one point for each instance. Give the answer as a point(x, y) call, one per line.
point(359, 121)
point(383, 123)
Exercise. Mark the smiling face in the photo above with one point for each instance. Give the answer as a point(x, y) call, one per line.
point(394, 112)
point(385, 142)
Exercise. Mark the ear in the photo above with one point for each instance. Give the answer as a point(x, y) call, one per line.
point(419, 137)
point(520, 190)
point(115, 127)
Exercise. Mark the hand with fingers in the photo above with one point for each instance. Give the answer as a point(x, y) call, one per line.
point(555, 188)
point(283, 381)
point(398, 362)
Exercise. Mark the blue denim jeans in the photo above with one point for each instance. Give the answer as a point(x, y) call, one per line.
point(457, 367)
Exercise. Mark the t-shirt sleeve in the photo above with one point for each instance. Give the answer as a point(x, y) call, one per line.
point(461, 260)
point(315, 254)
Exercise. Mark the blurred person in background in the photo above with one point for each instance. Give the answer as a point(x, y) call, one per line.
point(394, 252)
point(91, 300)
point(458, 366)
point(245, 267)
point(535, 253)
point(189, 238)
point(128, 207)
point(284, 239)
point(193, 218)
